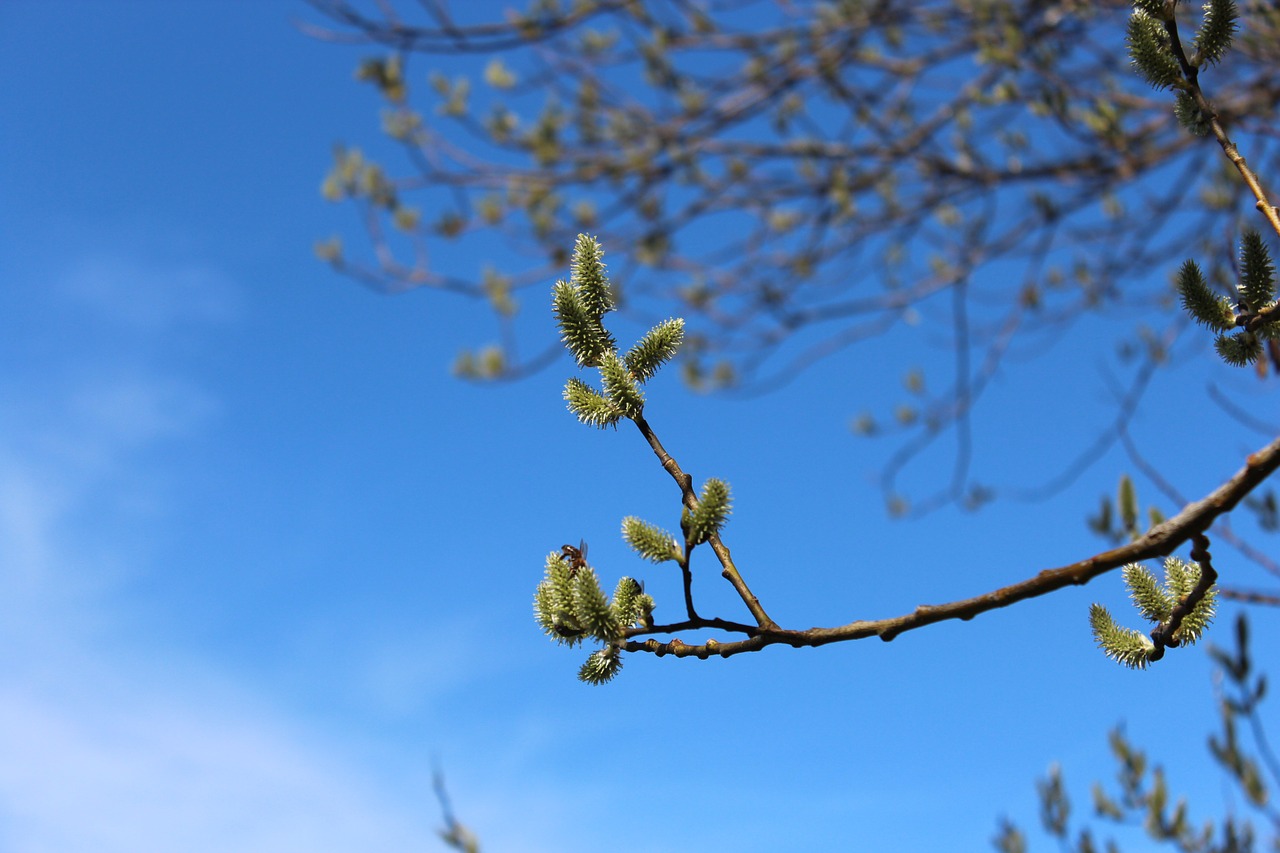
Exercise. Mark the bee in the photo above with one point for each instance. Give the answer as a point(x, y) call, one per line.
point(577, 557)
point(566, 631)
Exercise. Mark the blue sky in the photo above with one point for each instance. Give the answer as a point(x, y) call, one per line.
point(264, 562)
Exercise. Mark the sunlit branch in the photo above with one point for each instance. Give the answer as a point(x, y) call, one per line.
point(1156, 542)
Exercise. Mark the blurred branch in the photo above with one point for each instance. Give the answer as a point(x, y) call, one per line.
point(454, 833)
point(1249, 596)
point(1140, 798)
point(798, 178)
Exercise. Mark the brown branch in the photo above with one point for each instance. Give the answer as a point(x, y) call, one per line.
point(901, 136)
point(1222, 530)
point(1163, 635)
point(449, 38)
point(1248, 596)
point(685, 482)
point(1191, 74)
point(1159, 541)
point(697, 624)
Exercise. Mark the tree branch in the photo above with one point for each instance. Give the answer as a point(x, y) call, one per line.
point(1191, 73)
point(685, 482)
point(1159, 541)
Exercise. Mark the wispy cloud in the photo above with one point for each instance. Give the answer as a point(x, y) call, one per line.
point(109, 742)
point(148, 296)
point(106, 757)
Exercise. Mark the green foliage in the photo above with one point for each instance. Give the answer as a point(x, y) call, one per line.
point(488, 363)
point(1190, 116)
point(1123, 645)
point(454, 94)
point(1156, 603)
point(588, 277)
point(1103, 522)
point(580, 328)
point(570, 606)
point(1055, 808)
point(601, 666)
point(1010, 839)
point(1152, 602)
point(711, 513)
point(658, 346)
point(569, 603)
point(1204, 306)
point(620, 386)
point(1141, 796)
point(638, 142)
point(454, 834)
point(591, 607)
point(497, 75)
point(652, 543)
point(330, 250)
point(553, 604)
point(1118, 522)
point(1257, 272)
point(387, 74)
point(631, 605)
point(1239, 349)
point(1180, 579)
point(353, 176)
point(1249, 691)
point(588, 405)
point(1154, 8)
point(497, 288)
point(1150, 50)
point(579, 305)
point(1214, 36)
point(1255, 293)
point(1128, 505)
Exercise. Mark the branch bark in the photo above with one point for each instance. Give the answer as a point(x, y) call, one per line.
point(1160, 541)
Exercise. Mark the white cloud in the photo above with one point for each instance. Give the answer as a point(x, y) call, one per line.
point(110, 742)
point(72, 453)
point(131, 410)
point(107, 759)
point(151, 297)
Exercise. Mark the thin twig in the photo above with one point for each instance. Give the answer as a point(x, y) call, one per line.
point(455, 834)
point(1191, 74)
point(1248, 596)
point(1164, 634)
point(685, 482)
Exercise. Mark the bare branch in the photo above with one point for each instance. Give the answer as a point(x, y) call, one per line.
point(1159, 541)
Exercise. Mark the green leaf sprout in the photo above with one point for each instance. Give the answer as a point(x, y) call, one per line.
point(1157, 603)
